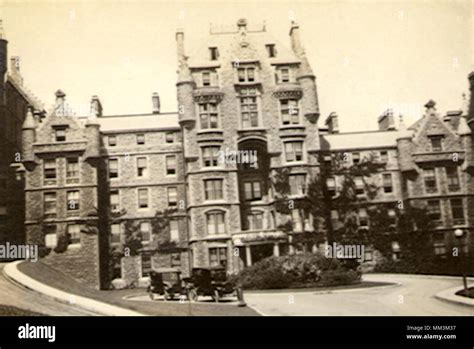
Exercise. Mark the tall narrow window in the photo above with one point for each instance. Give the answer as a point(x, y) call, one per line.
point(174, 230)
point(439, 244)
point(457, 211)
point(171, 165)
point(213, 53)
point(172, 196)
point(253, 190)
point(452, 176)
point(210, 156)
point(363, 218)
point(73, 200)
point(141, 167)
point(284, 75)
point(114, 200)
point(249, 107)
point(387, 183)
point(271, 51)
point(143, 198)
point(434, 210)
point(289, 112)
point(213, 189)
point(49, 171)
point(208, 115)
point(74, 231)
point(50, 236)
point(215, 223)
point(145, 232)
point(255, 220)
point(294, 151)
point(331, 185)
point(297, 184)
point(113, 168)
point(355, 158)
point(206, 79)
point(146, 264)
point(115, 233)
point(72, 170)
point(359, 185)
point(49, 203)
point(429, 176)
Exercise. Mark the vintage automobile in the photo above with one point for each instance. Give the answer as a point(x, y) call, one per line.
point(212, 282)
point(166, 282)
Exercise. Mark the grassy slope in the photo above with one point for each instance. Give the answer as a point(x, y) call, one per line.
point(7, 310)
point(61, 281)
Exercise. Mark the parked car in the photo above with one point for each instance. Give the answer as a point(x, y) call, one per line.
point(166, 282)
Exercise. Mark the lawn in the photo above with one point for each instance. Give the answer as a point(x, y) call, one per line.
point(54, 278)
point(7, 310)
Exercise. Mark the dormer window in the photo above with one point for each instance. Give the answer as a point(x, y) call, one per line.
point(246, 74)
point(60, 134)
point(283, 75)
point(206, 79)
point(436, 143)
point(271, 50)
point(213, 53)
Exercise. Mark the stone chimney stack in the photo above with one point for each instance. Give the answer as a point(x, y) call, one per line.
point(155, 98)
point(60, 108)
point(332, 123)
point(386, 121)
point(96, 107)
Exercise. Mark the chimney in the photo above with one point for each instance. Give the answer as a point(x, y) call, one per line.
point(332, 123)
point(60, 107)
point(155, 99)
point(96, 107)
point(452, 114)
point(386, 121)
point(295, 38)
point(15, 69)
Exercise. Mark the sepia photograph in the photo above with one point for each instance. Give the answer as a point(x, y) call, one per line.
point(237, 160)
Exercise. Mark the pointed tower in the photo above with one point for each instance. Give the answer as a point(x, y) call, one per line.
point(93, 130)
point(305, 77)
point(28, 138)
point(185, 85)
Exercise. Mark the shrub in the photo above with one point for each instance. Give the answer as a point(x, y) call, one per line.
point(295, 271)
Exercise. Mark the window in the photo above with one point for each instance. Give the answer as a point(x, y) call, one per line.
point(436, 143)
point(143, 198)
point(174, 230)
point(387, 183)
point(142, 167)
point(114, 200)
point(271, 51)
point(439, 244)
point(115, 233)
point(72, 170)
point(249, 107)
point(60, 134)
point(327, 160)
point(297, 220)
point(434, 210)
point(396, 250)
point(297, 184)
point(213, 189)
point(210, 156)
point(359, 185)
point(284, 75)
point(112, 140)
point(172, 196)
point(213, 53)
point(206, 79)
point(113, 168)
point(140, 139)
point(49, 203)
point(73, 200)
point(246, 74)
point(289, 112)
point(145, 232)
point(218, 256)
point(171, 165)
point(50, 236)
point(294, 151)
point(457, 210)
point(215, 223)
point(146, 264)
point(355, 158)
point(331, 185)
point(255, 220)
point(392, 216)
point(175, 259)
point(384, 156)
point(452, 176)
point(335, 219)
point(49, 171)
point(74, 231)
point(169, 137)
point(429, 176)
point(363, 218)
point(253, 190)
point(208, 115)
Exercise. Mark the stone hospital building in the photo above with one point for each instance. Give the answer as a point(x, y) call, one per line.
point(94, 178)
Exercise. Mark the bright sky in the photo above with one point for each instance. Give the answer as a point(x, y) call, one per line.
point(367, 55)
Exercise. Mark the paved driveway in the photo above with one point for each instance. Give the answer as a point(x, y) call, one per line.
point(415, 296)
point(11, 294)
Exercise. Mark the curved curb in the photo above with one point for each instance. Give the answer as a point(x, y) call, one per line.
point(11, 272)
point(449, 295)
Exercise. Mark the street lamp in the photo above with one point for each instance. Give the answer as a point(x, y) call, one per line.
point(459, 233)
